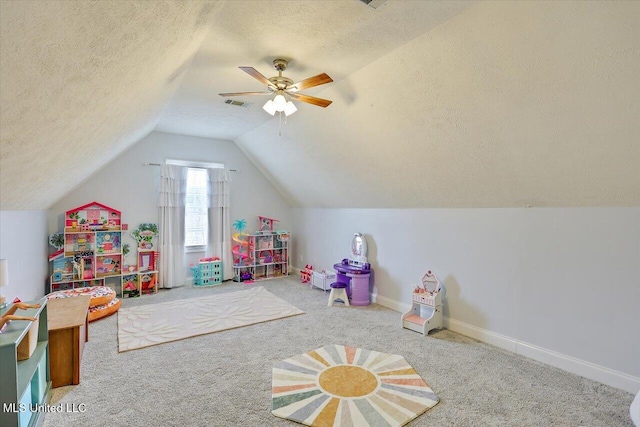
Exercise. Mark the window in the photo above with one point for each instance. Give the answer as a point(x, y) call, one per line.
point(195, 210)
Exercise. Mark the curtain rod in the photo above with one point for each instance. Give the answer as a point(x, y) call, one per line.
point(158, 164)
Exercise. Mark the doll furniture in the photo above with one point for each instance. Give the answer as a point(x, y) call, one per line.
point(426, 306)
point(208, 272)
point(306, 273)
point(322, 280)
point(338, 292)
point(68, 331)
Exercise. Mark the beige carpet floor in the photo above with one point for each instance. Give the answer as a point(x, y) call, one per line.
point(225, 379)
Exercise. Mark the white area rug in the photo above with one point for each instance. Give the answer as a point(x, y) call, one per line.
point(153, 324)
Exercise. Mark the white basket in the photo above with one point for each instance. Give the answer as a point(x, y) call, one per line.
point(323, 280)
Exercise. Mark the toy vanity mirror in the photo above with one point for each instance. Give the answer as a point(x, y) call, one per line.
point(430, 282)
point(359, 248)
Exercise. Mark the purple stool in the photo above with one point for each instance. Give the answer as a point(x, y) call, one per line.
point(338, 292)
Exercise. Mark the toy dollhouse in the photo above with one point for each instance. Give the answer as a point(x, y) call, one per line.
point(262, 255)
point(91, 253)
point(92, 217)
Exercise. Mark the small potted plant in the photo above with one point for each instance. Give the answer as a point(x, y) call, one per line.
point(125, 251)
point(57, 240)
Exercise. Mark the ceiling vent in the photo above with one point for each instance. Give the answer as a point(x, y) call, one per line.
point(374, 3)
point(237, 103)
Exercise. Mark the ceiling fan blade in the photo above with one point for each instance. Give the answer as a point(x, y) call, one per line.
point(311, 99)
point(245, 93)
point(318, 80)
point(257, 75)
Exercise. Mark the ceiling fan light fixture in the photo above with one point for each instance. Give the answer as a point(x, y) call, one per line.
point(279, 102)
point(270, 107)
point(289, 108)
point(283, 88)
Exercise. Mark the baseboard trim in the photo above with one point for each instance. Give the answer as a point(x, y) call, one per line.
point(576, 366)
point(390, 303)
point(562, 361)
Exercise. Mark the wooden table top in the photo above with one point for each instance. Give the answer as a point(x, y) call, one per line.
point(67, 312)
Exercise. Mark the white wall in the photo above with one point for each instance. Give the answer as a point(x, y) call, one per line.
point(24, 243)
point(559, 285)
point(130, 186)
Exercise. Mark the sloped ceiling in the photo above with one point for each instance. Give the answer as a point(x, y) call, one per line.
point(436, 104)
point(80, 81)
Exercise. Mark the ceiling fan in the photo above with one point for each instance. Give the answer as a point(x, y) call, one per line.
point(283, 88)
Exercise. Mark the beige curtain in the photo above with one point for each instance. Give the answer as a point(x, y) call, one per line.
point(171, 198)
point(219, 238)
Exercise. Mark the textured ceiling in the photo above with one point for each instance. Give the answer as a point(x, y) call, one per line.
point(335, 37)
point(507, 104)
point(80, 82)
point(436, 104)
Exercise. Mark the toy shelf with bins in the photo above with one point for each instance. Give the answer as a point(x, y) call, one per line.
point(24, 383)
point(268, 256)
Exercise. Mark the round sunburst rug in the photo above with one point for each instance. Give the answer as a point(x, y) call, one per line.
point(346, 386)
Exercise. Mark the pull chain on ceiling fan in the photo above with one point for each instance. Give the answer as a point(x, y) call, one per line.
point(285, 89)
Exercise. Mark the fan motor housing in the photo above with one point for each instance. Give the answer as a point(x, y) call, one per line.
point(281, 82)
point(280, 64)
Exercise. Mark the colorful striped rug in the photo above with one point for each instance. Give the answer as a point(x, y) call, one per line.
point(347, 386)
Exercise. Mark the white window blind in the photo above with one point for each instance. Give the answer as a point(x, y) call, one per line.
point(195, 210)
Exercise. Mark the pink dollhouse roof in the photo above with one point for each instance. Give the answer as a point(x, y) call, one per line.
point(57, 254)
point(266, 217)
point(94, 205)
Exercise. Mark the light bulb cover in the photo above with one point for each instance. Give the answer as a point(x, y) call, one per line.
point(289, 108)
point(269, 107)
point(279, 102)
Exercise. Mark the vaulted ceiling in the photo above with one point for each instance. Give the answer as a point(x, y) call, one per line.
point(435, 103)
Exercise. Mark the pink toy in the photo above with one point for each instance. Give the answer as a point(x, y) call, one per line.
point(426, 306)
point(305, 273)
